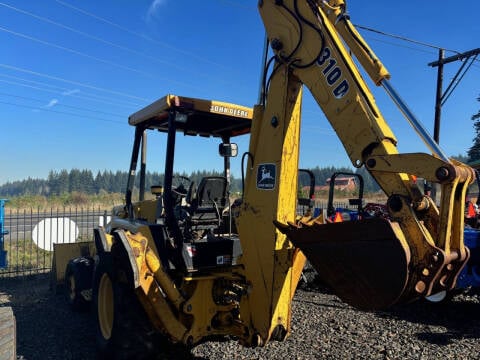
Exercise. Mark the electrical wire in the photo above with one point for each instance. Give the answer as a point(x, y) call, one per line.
point(143, 36)
point(76, 52)
point(417, 49)
point(76, 83)
point(66, 92)
point(404, 38)
point(60, 104)
point(454, 83)
point(60, 112)
point(73, 51)
point(96, 38)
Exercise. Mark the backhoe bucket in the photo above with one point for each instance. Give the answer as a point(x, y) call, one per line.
point(364, 262)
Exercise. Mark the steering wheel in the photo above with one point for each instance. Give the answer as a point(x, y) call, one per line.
point(180, 185)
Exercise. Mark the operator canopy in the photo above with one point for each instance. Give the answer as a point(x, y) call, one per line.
point(195, 116)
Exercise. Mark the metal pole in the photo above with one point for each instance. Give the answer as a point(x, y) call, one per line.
point(143, 166)
point(3, 253)
point(438, 100)
point(434, 189)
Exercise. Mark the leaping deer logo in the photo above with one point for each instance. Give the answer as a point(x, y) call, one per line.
point(265, 175)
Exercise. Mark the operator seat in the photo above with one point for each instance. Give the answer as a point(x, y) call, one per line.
point(207, 206)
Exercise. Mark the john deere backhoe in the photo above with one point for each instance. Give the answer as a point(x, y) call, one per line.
point(177, 256)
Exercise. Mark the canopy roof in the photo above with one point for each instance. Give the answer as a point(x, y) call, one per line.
point(195, 116)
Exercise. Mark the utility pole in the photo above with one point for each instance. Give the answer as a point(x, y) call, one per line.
point(438, 98)
point(441, 96)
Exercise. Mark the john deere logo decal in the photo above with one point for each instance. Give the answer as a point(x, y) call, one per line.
point(266, 175)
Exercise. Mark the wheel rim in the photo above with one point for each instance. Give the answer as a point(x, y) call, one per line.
point(105, 306)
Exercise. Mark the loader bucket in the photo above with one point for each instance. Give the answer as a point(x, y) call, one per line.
point(364, 262)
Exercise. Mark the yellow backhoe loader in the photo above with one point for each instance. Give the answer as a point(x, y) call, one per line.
point(174, 260)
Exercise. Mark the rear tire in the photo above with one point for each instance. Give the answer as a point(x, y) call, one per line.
point(78, 283)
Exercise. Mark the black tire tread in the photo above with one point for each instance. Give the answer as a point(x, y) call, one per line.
point(132, 332)
point(82, 270)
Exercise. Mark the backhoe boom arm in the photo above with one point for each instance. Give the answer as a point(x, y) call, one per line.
point(421, 244)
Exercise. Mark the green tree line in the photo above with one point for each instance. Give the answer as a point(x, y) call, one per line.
point(84, 181)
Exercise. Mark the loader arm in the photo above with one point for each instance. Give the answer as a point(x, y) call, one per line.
point(370, 264)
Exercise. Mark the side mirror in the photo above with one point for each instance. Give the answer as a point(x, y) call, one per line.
point(228, 150)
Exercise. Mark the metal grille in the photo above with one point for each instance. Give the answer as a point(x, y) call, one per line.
point(31, 234)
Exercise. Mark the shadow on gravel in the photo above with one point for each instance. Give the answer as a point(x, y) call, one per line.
point(48, 329)
point(459, 316)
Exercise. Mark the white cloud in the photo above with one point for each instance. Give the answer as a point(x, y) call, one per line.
point(70, 92)
point(153, 8)
point(52, 103)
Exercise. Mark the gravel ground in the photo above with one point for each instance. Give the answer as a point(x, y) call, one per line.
point(322, 328)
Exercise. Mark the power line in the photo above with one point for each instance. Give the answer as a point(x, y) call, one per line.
point(56, 93)
point(456, 80)
point(76, 52)
point(92, 57)
point(63, 105)
point(96, 38)
point(77, 83)
point(34, 82)
point(440, 98)
point(67, 92)
point(73, 51)
point(145, 37)
point(404, 38)
point(417, 49)
point(60, 112)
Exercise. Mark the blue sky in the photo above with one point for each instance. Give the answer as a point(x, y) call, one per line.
point(71, 72)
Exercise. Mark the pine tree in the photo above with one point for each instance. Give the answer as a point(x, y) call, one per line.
point(86, 182)
point(474, 151)
point(75, 180)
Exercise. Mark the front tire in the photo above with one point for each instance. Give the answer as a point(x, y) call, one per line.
point(123, 330)
point(104, 305)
